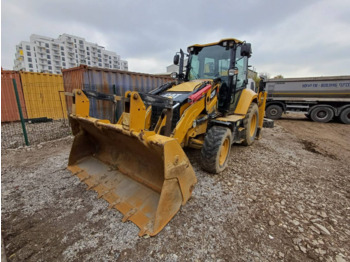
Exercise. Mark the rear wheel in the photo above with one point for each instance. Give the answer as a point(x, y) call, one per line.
point(274, 112)
point(322, 114)
point(216, 149)
point(250, 123)
point(345, 116)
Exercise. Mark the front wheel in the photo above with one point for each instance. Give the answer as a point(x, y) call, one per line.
point(250, 123)
point(216, 149)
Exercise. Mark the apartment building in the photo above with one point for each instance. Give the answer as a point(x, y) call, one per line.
point(49, 55)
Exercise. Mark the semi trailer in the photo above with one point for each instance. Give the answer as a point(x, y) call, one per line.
point(319, 98)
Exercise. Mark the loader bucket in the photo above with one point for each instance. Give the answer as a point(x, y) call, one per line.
point(146, 176)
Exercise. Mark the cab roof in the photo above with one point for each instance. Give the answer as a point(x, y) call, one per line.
point(219, 42)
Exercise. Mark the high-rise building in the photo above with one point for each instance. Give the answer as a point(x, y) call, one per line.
point(49, 55)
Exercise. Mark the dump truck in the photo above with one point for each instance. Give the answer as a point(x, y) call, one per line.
point(138, 164)
point(319, 98)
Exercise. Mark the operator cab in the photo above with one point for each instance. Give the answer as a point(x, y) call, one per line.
point(225, 61)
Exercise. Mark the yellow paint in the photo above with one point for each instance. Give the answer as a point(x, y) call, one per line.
point(217, 43)
point(246, 98)
point(262, 105)
point(211, 103)
point(186, 121)
point(253, 122)
point(155, 170)
point(82, 104)
point(148, 117)
point(21, 52)
point(137, 112)
point(186, 86)
point(44, 95)
point(224, 151)
point(194, 132)
point(231, 118)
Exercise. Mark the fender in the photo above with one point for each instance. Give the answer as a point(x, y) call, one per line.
point(247, 97)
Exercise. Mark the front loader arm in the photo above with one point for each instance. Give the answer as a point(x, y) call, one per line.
point(202, 102)
point(186, 121)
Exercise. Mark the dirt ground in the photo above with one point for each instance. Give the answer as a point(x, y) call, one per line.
point(285, 198)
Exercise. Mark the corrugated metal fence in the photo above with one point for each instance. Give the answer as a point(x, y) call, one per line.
point(108, 81)
point(41, 98)
point(45, 107)
point(44, 95)
point(9, 109)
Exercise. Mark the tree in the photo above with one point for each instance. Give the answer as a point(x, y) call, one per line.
point(278, 77)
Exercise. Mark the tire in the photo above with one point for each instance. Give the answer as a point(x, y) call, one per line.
point(274, 112)
point(250, 124)
point(216, 149)
point(345, 116)
point(322, 114)
point(268, 123)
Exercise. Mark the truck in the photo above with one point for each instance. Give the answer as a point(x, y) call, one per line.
point(321, 99)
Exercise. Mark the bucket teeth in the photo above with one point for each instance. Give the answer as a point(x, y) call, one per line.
point(146, 229)
point(130, 213)
point(86, 178)
point(118, 201)
point(147, 177)
point(104, 193)
point(93, 186)
point(77, 173)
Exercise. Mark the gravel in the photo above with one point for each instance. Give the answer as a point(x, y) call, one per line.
point(284, 198)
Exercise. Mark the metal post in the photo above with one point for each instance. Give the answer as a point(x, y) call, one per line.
point(20, 113)
point(59, 93)
point(115, 115)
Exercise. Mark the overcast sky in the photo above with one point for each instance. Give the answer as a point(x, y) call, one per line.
point(294, 38)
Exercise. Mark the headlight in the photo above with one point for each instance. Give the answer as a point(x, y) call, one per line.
point(233, 71)
point(173, 75)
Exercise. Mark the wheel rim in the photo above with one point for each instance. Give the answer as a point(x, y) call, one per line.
point(224, 151)
point(273, 112)
point(253, 125)
point(322, 114)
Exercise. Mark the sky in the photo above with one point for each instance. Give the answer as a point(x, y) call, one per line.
point(293, 38)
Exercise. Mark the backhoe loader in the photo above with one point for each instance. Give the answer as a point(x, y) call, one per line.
point(138, 164)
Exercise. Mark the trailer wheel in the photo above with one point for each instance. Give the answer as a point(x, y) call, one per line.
point(216, 149)
point(322, 114)
point(274, 112)
point(251, 122)
point(345, 116)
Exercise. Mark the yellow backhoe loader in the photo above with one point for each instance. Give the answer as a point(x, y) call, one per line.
point(138, 164)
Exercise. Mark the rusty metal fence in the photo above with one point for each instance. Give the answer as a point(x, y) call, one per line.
point(44, 108)
point(38, 111)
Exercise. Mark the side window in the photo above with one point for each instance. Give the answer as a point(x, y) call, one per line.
point(224, 65)
point(241, 64)
point(209, 67)
point(194, 69)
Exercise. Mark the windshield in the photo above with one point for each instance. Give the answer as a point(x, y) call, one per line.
point(210, 62)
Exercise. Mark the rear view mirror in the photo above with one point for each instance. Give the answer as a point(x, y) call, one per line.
point(246, 49)
point(176, 59)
